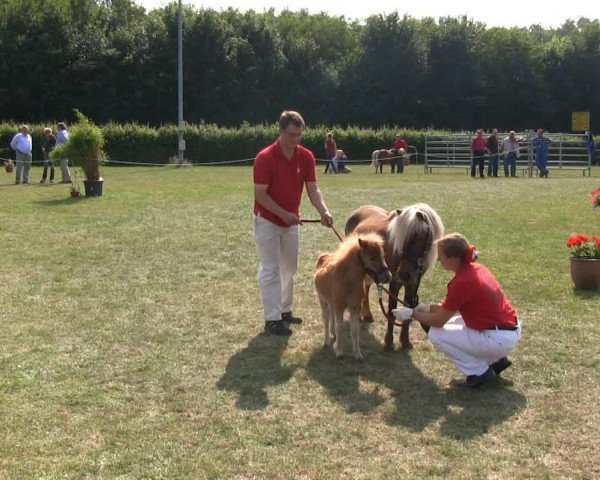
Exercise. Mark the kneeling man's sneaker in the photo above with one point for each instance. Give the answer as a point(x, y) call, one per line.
point(277, 327)
point(501, 365)
point(478, 380)
point(289, 318)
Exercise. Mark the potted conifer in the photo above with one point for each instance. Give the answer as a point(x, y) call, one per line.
point(85, 149)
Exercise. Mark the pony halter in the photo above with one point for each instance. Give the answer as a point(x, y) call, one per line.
point(372, 273)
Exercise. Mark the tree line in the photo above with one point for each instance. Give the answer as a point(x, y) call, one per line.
point(116, 62)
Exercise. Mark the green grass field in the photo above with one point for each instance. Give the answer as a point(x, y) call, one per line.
point(132, 348)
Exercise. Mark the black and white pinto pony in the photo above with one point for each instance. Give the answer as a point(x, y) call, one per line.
point(409, 234)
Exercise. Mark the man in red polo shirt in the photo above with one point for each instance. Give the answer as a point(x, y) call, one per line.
point(400, 147)
point(280, 172)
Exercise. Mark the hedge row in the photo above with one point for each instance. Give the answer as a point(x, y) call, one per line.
point(210, 143)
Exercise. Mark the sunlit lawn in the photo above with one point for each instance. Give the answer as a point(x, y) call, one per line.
point(132, 348)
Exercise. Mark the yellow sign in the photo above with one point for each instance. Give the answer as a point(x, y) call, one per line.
point(580, 121)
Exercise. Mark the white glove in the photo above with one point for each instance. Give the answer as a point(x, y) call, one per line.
point(423, 307)
point(403, 313)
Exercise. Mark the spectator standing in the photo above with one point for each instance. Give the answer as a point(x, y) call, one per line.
point(478, 146)
point(48, 143)
point(330, 148)
point(540, 145)
point(399, 143)
point(400, 148)
point(475, 326)
point(281, 171)
point(22, 145)
point(492, 147)
point(510, 149)
point(591, 146)
point(62, 136)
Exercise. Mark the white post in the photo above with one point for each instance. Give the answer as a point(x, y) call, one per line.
point(181, 125)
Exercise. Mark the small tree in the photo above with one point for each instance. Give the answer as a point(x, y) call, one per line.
point(85, 147)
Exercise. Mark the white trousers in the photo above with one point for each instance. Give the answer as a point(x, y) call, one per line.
point(64, 170)
point(473, 351)
point(278, 257)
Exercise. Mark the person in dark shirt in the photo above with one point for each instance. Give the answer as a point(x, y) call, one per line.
point(48, 143)
point(492, 146)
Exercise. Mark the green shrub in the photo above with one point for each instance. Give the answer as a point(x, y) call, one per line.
point(85, 147)
point(208, 143)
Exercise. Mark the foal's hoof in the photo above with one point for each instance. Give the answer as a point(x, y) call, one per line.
point(339, 356)
point(359, 358)
point(367, 319)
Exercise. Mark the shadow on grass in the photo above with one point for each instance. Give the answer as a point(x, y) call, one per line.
point(251, 370)
point(419, 401)
point(62, 201)
point(587, 294)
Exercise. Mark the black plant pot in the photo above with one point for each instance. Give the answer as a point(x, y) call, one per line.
point(93, 188)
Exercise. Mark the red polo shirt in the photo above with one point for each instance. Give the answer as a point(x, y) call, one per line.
point(400, 143)
point(285, 178)
point(478, 144)
point(475, 293)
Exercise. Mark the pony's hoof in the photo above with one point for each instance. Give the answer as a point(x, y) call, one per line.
point(388, 347)
point(339, 356)
point(359, 358)
point(406, 345)
point(368, 319)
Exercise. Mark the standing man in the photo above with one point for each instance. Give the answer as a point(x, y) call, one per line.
point(62, 136)
point(478, 146)
point(48, 144)
point(540, 144)
point(400, 147)
point(330, 148)
point(280, 172)
point(22, 145)
point(492, 146)
point(510, 147)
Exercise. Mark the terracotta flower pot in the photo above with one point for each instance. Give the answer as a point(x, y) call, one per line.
point(585, 273)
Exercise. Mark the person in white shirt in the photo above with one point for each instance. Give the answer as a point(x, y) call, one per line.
point(510, 148)
point(62, 136)
point(22, 145)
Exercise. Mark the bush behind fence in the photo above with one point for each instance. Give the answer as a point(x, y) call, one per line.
point(207, 143)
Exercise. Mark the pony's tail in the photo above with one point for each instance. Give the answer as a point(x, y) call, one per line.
point(374, 159)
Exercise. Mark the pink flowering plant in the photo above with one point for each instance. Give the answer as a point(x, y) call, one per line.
point(584, 246)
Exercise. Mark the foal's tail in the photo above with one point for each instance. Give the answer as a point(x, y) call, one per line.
point(375, 158)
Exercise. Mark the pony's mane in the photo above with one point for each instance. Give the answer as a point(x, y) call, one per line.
point(407, 225)
point(350, 245)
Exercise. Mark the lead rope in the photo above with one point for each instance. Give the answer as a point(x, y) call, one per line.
point(337, 234)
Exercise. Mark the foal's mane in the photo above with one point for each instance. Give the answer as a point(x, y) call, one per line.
point(350, 245)
point(408, 225)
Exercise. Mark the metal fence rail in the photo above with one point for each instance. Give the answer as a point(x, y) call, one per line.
point(566, 152)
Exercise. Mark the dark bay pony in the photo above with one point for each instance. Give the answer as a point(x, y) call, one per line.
point(379, 158)
point(340, 280)
point(409, 235)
